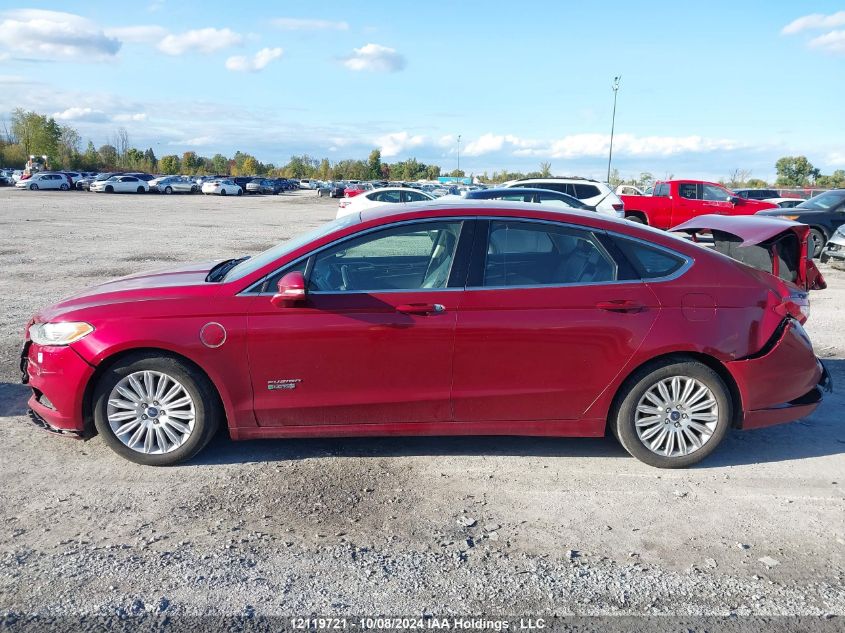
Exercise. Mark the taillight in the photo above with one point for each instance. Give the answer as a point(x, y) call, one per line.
point(618, 207)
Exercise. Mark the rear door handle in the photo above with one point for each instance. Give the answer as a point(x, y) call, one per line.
point(421, 308)
point(620, 305)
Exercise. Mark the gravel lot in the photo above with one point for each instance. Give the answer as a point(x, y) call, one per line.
point(399, 526)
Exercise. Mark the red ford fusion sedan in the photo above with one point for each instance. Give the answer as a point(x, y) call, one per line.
point(464, 318)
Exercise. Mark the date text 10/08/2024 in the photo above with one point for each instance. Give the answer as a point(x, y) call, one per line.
point(416, 623)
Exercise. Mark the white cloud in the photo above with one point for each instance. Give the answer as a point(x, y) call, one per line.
point(131, 116)
point(375, 58)
point(253, 64)
point(198, 141)
point(80, 114)
point(206, 40)
point(138, 34)
point(54, 34)
point(305, 24)
point(833, 42)
point(814, 21)
point(398, 142)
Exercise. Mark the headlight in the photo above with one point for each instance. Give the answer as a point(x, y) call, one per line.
point(789, 217)
point(59, 333)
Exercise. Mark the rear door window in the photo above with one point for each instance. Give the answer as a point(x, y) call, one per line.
point(521, 253)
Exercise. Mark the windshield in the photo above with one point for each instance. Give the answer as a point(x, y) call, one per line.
point(823, 201)
point(280, 250)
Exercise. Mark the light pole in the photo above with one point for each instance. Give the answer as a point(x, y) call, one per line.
point(459, 152)
point(615, 87)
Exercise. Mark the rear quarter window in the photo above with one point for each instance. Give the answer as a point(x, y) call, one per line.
point(648, 261)
point(585, 191)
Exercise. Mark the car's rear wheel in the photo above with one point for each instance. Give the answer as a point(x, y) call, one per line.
point(673, 414)
point(817, 242)
point(154, 410)
point(64, 187)
point(240, 191)
point(168, 190)
point(222, 192)
point(635, 218)
point(33, 187)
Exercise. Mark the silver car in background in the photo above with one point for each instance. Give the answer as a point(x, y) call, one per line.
point(173, 184)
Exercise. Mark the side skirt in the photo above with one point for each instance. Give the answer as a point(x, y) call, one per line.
point(542, 428)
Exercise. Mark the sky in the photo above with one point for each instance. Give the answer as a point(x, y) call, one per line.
point(706, 88)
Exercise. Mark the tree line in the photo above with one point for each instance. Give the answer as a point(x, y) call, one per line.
point(31, 133)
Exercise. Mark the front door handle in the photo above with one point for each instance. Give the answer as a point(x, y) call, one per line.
point(620, 305)
point(421, 308)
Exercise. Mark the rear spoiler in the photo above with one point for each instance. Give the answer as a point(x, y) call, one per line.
point(774, 245)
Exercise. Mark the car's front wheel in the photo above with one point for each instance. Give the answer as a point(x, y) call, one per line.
point(155, 410)
point(168, 190)
point(222, 192)
point(64, 187)
point(33, 187)
point(674, 413)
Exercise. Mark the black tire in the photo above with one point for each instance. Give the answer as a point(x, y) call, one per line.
point(33, 187)
point(635, 218)
point(817, 241)
point(240, 192)
point(624, 415)
point(109, 189)
point(194, 189)
point(64, 187)
point(141, 190)
point(222, 192)
point(206, 405)
point(824, 258)
point(168, 190)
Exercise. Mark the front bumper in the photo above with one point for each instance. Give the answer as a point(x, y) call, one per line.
point(834, 250)
point(782, 385)
point(58, 377)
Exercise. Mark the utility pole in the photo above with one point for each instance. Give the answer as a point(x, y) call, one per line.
point(459, 152)
point(615, 87)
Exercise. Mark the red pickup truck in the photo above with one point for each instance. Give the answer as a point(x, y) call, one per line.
point(676, 201)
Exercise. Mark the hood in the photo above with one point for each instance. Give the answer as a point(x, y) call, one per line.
point(155, 284)
point(773, 245)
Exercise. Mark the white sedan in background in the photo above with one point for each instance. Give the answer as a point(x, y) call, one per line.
point(120, 184)
point(44, 181)
point(376, 197)
point(223, 187)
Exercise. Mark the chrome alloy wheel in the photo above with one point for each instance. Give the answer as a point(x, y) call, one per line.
point(151, 412)
point(676, 416)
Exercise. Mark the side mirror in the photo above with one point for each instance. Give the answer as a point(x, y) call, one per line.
point(290, 290)
point(737, 200)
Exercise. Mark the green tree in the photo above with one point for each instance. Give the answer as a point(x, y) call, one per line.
point(219, 164)
point(457, 173)
point(545, 170)
point(90, 159)
point(169, 164)
point(756, 183)
point(374, 162)
point(836, 180)
point(324, 171)
point(795, 171)
point(150, 159)
point(108, 156)
point(191, 162)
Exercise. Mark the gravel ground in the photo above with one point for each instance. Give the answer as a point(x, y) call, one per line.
point(398, 526)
